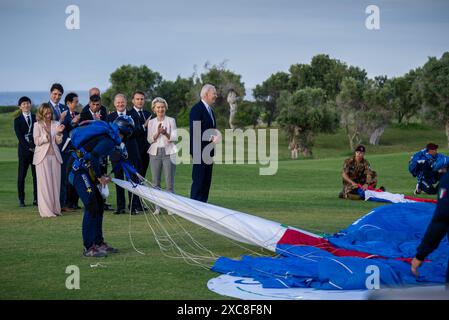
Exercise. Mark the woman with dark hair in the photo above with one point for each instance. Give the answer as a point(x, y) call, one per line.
point(47, 134)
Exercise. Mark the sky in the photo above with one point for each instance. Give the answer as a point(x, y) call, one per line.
point(255, 37)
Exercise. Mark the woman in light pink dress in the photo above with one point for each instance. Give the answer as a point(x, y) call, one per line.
point(47, 135)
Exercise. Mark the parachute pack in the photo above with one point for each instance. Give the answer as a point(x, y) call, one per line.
point(91, 129)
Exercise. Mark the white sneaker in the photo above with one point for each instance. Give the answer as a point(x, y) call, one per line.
point(156, 212)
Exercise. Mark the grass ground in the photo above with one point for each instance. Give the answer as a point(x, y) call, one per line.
point(35, 252)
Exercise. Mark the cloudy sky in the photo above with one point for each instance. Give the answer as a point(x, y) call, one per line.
point(255, 37)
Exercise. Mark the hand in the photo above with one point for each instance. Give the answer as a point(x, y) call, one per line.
point(104, 180)
point(60, 128)
point(76, 119)
point(364, 187)
point(160, 129)
point(63, 115)
point(354, 184)
point(415, 265)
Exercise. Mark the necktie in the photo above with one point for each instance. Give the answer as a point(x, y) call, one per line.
point(211, 116)
point(57, 113)
point(28, 121)
point(141, 115)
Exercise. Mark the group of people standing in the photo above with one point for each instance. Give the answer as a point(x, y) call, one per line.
point(44, 145)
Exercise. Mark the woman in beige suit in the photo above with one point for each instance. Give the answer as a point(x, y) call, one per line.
point(162, 133)
point(47, 135)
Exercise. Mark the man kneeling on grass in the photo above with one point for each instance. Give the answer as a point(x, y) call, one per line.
point(357, 174)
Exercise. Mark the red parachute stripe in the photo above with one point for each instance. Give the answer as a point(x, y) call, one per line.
point(421, 199)
point(295, 237)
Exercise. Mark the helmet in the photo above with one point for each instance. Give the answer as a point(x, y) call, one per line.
point(125, 126)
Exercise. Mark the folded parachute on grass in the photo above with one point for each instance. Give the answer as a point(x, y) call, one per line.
point(384, 196)
point(385, 238)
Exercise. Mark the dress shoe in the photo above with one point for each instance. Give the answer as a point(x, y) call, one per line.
point(21, 204)
point(67, 209)
point(35, 203)
point(108, 207)
point(119, 211)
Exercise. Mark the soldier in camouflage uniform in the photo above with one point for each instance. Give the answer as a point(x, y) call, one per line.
point(357, 172)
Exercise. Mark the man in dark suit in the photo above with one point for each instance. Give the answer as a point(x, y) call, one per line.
point(70, 122)
point(202, 121)
point(133, 158)
point(141, 118)
point(93, 110)
point(23, 127)
point(56, 92)
point(103, 110)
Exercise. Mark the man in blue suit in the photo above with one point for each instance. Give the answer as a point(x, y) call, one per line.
point(23, 127)
point(59, 112)
point(202, 133)
point(56, 92)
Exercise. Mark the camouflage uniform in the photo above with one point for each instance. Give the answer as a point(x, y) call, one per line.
point(360, 173)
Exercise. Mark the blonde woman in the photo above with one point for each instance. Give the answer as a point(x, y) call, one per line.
point(161, 134)
point(47, 134)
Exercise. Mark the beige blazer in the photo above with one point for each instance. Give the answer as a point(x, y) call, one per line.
point(42, 143)
point(168, 123)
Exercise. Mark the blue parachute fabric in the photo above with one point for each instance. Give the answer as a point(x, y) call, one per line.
point(94, 128)
point(392, 232)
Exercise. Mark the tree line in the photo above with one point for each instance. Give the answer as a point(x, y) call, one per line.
point(322, 96)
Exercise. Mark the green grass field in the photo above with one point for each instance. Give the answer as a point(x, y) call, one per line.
point(35, 252)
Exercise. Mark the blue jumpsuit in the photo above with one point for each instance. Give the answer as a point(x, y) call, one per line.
point(86, 181)
point(439, 226)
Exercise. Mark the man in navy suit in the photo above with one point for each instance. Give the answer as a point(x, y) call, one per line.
point(23, 127)
point(202, 122)
point(56, 92)
point(59, 112)
point(71, 121)
point(141, 118)
point(133, 158)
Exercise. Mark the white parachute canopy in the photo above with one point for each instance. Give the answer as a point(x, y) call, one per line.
point(233, 224)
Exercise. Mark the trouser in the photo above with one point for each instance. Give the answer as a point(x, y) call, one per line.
point(163, 163)
point(201, 181)
point(92, 228)
point(72, 195)
point(25, 161)
point(119, 191)
point(144, 162)
point(63, 188)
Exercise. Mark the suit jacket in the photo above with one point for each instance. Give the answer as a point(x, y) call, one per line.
point(42, 143)
point(140, 130)
point(69, 126)
point(199, 113)
point(170, 125)
point(61, 107)
point(87, 115)
point(130, 144)
point(21, 129)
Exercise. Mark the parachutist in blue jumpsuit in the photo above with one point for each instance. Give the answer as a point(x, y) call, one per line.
point(86, 176)
point(427, 166)
point(437, 229)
